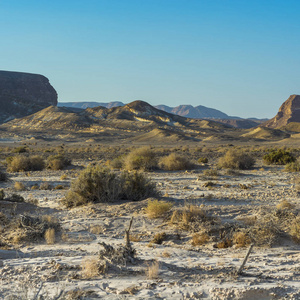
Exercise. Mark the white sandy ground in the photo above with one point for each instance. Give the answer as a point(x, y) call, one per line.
point(200, 272)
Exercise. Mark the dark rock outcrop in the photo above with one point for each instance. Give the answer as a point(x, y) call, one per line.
point(289, 112)
point(22, 94)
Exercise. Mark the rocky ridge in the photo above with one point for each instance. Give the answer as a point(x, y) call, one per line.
point(22, 94)
point(289, 112)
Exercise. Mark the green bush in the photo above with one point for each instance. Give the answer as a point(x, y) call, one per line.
point(96, 184)
point(140, 159)
point(57, 162)
point(2, 194)
point(203, 160)
point(175, 162)
point(236, 159)
point(279, 157)
point(25, 163)
point(21, 149)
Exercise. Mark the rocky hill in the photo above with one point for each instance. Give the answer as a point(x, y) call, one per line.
point(289, 112)
point(22, 94)
point(138, 120)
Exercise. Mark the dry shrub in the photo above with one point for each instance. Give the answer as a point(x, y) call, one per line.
point(199, 239)
point(211, 173)
point(135, 237)
point(58, 162)
point(96, 229)
point(157, 209)
point(294, 229)
point(236, 159)
point(292, 167)
point(175, 162)
point(284, 204)
point(266, 230)
point(166, 254)
point(203, 160)
point(45, 186)
point(50, 236)
point(191, 217)
point(19, 186)
point(95, 184)
point(152, 270)
point(159, 238)
point(3, 176)
point(241, 239)
point(92, 267)
point(140, 159)
point(2, 194)
point(25, 163)
point(226, 243)
point(63, 177)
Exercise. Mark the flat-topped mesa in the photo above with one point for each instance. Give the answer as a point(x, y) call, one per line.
point(22, 94)
point(288, 112)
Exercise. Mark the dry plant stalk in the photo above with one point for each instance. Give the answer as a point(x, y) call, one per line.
point(50, 236)
point(153, 270)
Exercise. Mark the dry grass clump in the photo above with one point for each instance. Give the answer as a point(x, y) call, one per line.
point(175, 162)
point(284, 204)
point(211, 173)
point(21, 163)
point(58, 162)
point(190, 217)
point(157, 209)
point(225, 243)
point(292, 167)
point(203, 160)
point(200, 238)
point(96, 229)
point(294, 229)
point(92, 267)
point(95, 184)
point(50, 236)
point(140, 159)
point(152, 270)
point(45, 186)
point(19, 186)
point(241, 239)
point(236, 159)
point(159, 238)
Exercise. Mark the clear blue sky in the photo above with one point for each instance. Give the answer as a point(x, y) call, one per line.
point(241, 57)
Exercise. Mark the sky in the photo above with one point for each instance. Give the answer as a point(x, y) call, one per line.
point(241, 57)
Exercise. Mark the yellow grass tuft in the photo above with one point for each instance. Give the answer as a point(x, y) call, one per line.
point(157, 209)
point(50, 236)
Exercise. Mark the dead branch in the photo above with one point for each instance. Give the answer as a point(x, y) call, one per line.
point(240, 270)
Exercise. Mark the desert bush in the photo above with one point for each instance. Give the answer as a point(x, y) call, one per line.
point(284, 204)
point(21, 149)
point(175, 162)
point(3, 176)
point(203, 160)
point(16, 198)
point(25, 163)
point(294, 229)
point(19, 186)
point(278, 157)
point(236, 159)
point(159, 238)
point(2, 194)
point(95, 184)
point(117, 163)
point(157, 209)
point(292, 167)
point(50, 236)
point(57, 162)
point(92, 267)
point(199, 239)
point(153, 270)
point(190, 217)
point(136, 186)
point(241, 239)
point(211, 173)
point(45, 186)
point(140, 159)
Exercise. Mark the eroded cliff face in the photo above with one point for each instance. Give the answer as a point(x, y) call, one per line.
point(22, 94)
point(288, 112)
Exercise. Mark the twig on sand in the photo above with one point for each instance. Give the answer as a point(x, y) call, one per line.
point(240, 270)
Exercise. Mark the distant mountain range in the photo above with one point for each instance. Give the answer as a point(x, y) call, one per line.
point(188, 111)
